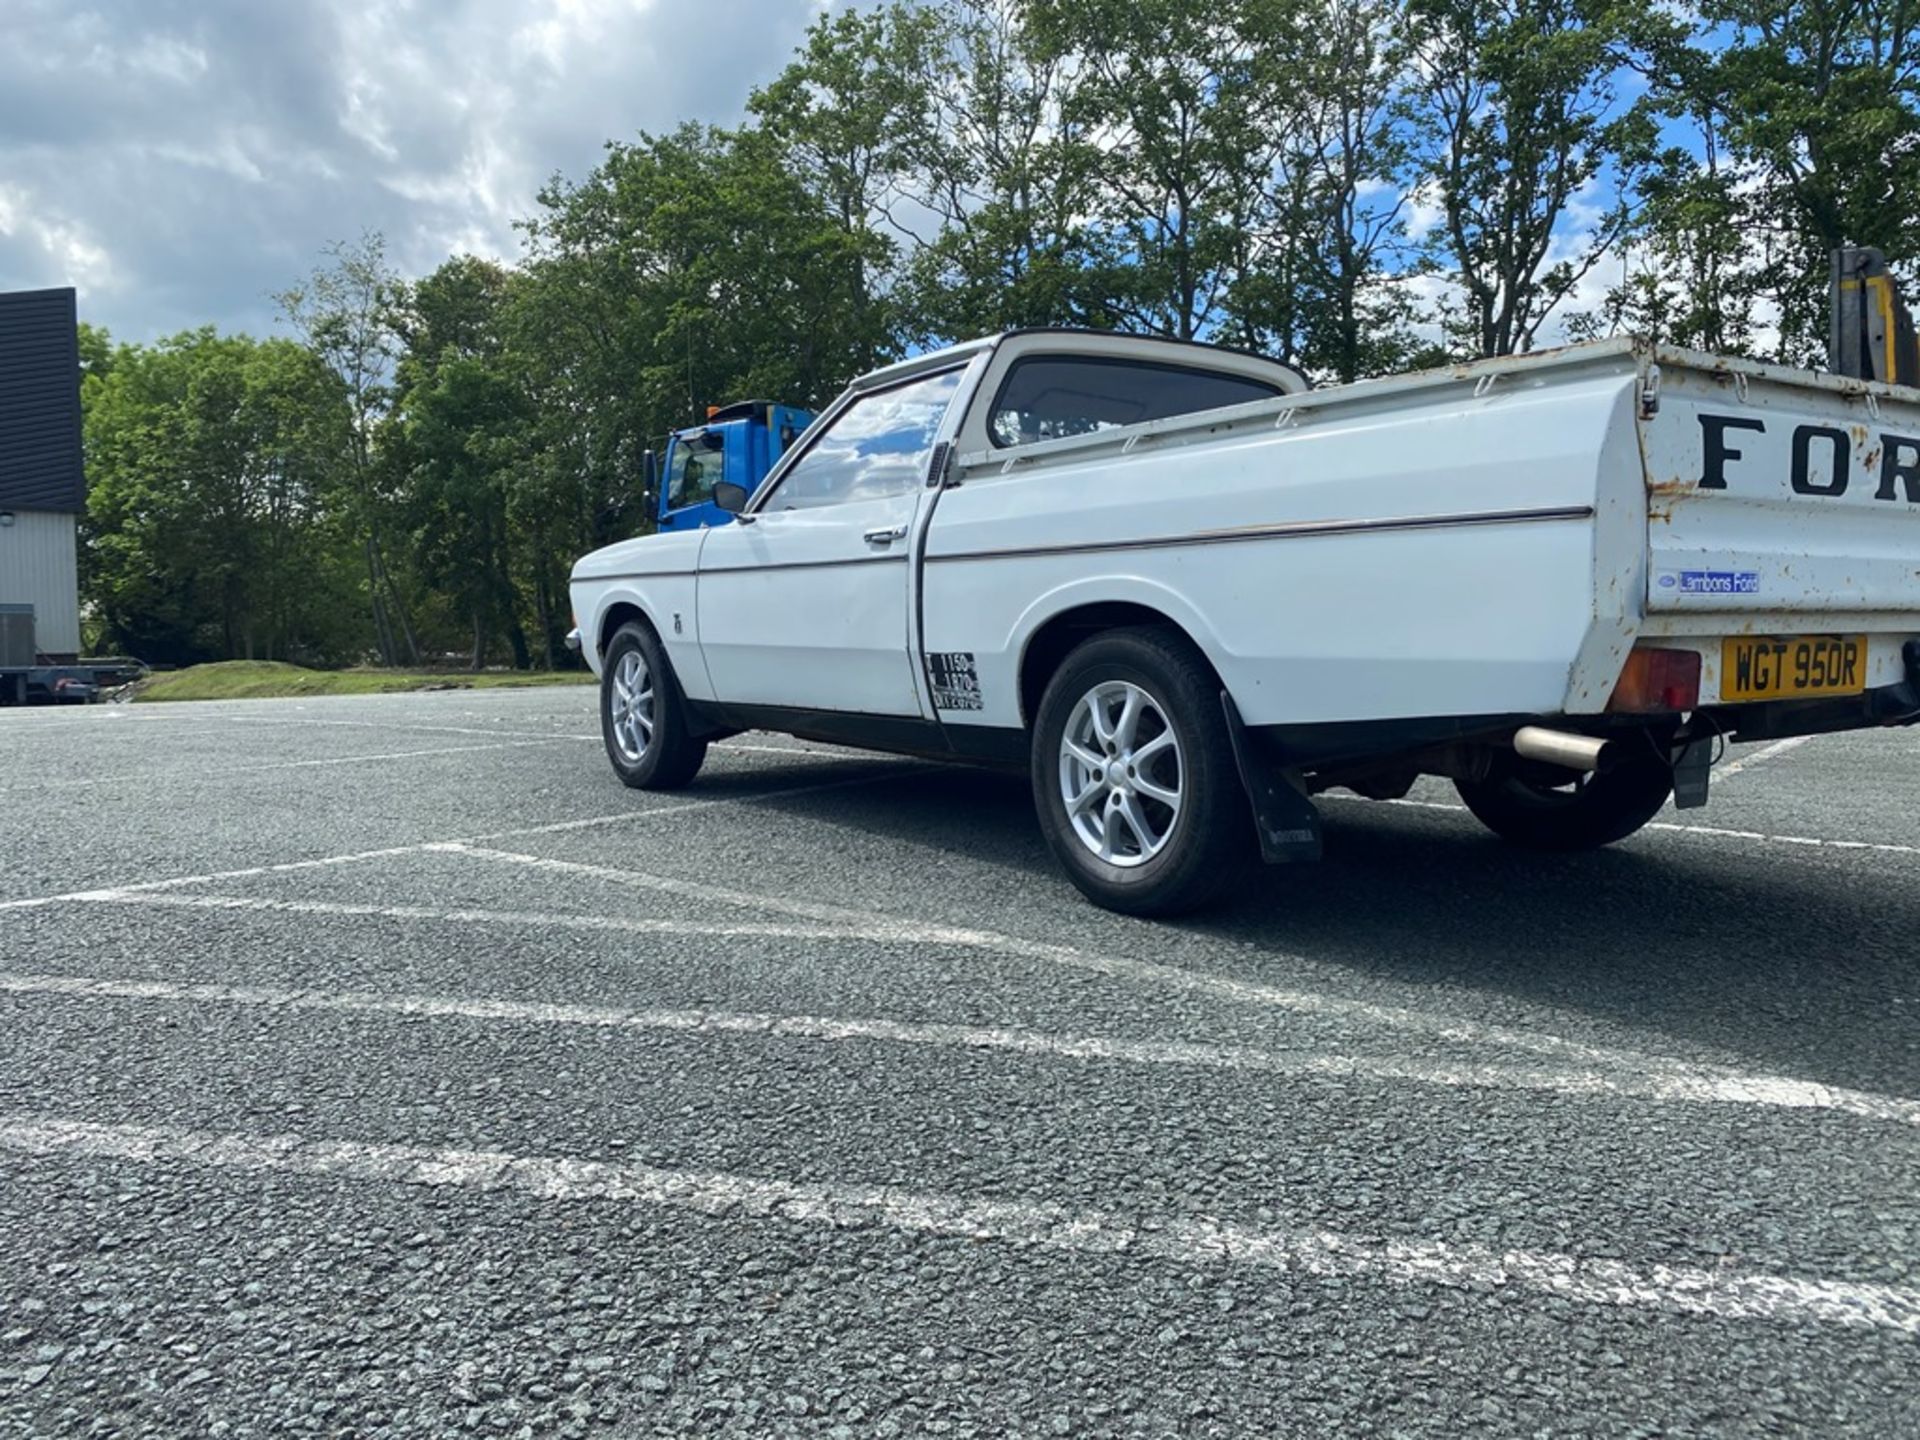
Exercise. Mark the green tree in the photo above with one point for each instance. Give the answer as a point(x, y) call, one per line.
point(1518, 108)
point(343, 312)
point(846, 117)
point(209, 462)
point(1817, 105)
point(1317, 281)
point(1007, 174)
point(687, 270)
point(1690, 270)
point(1172, 100)
point(96, 351)
point(457, 438)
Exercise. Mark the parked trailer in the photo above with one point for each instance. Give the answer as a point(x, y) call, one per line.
point(1187, 594)
point(27, 678)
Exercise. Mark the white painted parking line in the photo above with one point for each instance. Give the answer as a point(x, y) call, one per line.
point(538, 919)
point(220, 771)
point(396, 851)
point(143, 886)
point(1398, 804)
point(1805, 841)
point(1710, 832)
point(490, 731)
point(821, 754)
point(1705, 1087)
point(168, 730)
point(1138, 971)
point(64, 719)
point(1729, 769)
point(1166, 1238)
point(895, 771)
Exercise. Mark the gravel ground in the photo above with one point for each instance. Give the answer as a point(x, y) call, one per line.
point(380, 1066)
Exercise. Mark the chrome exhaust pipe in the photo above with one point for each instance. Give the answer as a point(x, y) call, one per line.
point(1558, 747)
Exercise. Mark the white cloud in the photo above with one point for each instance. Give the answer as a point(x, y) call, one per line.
point(178, 160)
point(65, 248)
point(1426, 208)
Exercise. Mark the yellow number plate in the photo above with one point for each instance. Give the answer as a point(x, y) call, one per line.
point(1763, 668)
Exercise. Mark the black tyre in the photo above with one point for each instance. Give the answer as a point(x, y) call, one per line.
point(1545, 808)
point(1134, 777)
point(641, 716)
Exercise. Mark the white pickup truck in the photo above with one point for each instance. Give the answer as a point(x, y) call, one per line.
point(1187, 593)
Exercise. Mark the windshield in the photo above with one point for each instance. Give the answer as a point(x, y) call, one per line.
point(878, 446)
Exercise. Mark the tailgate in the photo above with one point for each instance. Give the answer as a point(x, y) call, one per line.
point(1775, 492)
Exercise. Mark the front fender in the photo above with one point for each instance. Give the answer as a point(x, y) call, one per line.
point(655, 577)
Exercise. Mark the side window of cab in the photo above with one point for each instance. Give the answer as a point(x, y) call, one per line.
point(698, 465)
point(1048, 397)
point(879, 446)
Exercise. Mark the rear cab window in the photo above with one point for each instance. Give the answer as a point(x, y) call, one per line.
point(1049, 397)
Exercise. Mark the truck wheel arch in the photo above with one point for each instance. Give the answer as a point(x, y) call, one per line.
point(625, 609)
point(616, 615)
point(1049, 642)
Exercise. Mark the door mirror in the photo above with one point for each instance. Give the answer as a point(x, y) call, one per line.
point(650, 479)
point(730, 497)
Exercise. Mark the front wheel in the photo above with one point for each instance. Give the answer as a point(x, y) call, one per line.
point(641, 718)
point(1548, 809)
point(1134, 777)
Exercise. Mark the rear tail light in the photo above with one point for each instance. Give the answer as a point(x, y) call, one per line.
point(1656, 680)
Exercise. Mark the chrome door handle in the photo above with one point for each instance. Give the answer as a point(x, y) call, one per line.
point(886, 535)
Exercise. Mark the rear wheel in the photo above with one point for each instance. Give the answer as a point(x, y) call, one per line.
point(641, 718)
point(1134, 778)
point(1545, 808)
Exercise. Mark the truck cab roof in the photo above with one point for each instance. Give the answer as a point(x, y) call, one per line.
point(739, 410)
point(1190, 354)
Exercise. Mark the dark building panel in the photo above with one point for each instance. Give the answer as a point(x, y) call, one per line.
point(40, 402)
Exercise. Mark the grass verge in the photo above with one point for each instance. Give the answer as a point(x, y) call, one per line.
point(272, 680)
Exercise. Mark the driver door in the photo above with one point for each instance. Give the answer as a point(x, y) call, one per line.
point(804, 603)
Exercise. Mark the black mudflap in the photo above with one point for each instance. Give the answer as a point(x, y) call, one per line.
point(1690, 773)
point(1287, 821)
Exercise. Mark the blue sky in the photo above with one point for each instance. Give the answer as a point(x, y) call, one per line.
point(177, 160)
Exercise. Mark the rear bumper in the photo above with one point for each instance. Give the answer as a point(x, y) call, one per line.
point(1896, 704)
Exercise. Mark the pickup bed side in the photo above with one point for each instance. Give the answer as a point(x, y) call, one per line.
point(1435, 557)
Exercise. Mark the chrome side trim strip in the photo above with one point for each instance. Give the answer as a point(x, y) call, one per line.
point(635, 575)
point(706, 572)
point(1297, 529)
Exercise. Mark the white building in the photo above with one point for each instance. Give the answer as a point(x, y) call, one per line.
point(42, 484)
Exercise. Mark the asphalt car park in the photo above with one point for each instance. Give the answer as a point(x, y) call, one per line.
point(384, 1067)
